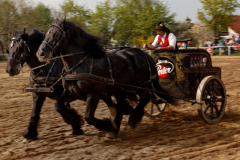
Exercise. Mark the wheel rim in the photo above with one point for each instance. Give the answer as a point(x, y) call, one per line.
point(154, 110)
point(213, 98)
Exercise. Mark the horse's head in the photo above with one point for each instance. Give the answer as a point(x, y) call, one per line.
point(67, 36)
point(18, 52)
point(53, 43)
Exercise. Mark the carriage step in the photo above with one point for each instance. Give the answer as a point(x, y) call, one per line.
point(38, 90)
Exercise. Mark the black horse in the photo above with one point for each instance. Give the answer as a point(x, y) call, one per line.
point(22, 48)
point(92, 74)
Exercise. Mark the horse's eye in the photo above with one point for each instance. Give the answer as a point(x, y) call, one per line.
point(7, 51)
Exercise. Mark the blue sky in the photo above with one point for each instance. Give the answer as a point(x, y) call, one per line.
point(183, 8)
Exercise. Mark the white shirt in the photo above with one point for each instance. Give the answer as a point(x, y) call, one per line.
point(171, 38)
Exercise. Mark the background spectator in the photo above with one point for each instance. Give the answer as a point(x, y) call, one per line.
point(216, 39)
point(221, 50)
point(209, 42)
point(206, 44)
point(214, 46)
point(236, 47)
point(231, 41)
point(237, 39)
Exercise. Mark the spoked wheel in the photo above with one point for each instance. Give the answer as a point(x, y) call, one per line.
point(154, 110)
point(151, 110)
point(212, 94)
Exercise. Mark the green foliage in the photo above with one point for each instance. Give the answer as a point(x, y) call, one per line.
point(75, 12)
point(136, 18)
point(216, 52)
point(8, 18)
point(101, 22)
point(217, 14)
point(45, 18)
point(18, 14)
point(180, 30)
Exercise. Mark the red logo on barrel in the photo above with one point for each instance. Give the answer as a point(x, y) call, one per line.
point(162, 71)
point(164, 68)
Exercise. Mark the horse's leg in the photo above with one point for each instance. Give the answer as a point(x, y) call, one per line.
point(111, 106)
point(121, 104)
point(69, 114)
point(138, 112)
point(105, 124)
point(31, 133)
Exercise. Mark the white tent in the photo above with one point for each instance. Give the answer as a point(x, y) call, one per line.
point(226, 37)
point(231, 32)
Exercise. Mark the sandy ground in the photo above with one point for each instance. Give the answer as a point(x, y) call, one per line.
point(178, 134)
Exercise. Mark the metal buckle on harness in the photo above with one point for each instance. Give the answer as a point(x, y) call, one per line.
point(111, 82)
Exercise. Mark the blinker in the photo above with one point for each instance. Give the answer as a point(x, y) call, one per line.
point(12, 43)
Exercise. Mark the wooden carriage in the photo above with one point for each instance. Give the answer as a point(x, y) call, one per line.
point(189, 74)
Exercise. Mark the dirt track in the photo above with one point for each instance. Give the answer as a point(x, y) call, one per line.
point(178, 134)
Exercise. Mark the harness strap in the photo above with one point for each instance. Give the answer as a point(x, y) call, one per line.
point(59, 28)
point(110, 69)
point(43, 79)
point(87, 76)
point(80, 62)
point(90, 76)
point(91, 68)
point(50, 71)
point(48, 45)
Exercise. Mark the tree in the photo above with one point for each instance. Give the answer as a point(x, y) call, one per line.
point(8, 20)
point(44, 14)
point(217, 14)
point(75, 12)
point(200, 33)
point(180, 29)
point(136, 18)
point(27, 15)
point(101, 22)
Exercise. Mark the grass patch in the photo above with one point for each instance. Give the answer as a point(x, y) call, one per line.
point(216, 53)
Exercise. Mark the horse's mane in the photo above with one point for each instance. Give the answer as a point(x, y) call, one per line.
point(33, 37)
point(87, 41)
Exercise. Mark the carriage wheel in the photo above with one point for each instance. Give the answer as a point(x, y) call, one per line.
point(151, 110)
point(212, 94)
point(154, 110)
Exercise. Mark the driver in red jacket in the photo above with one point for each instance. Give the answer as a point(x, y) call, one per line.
point(165, 39)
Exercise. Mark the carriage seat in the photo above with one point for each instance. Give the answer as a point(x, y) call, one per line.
point(183, 41)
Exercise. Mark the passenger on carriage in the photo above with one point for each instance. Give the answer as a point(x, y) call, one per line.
point(166, 39)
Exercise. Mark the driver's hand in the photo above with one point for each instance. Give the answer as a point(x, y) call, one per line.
point(145, 46)
point(159, 49)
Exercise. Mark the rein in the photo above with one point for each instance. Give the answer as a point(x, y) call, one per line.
point(55, 59)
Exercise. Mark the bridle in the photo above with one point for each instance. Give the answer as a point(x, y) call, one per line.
point(19, 61)
point(52, 48)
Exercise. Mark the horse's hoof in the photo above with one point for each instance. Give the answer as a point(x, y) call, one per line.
point(77, 132)
point(29, 137)
point(133, 123)
point(29, 140)
point(111, 135)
